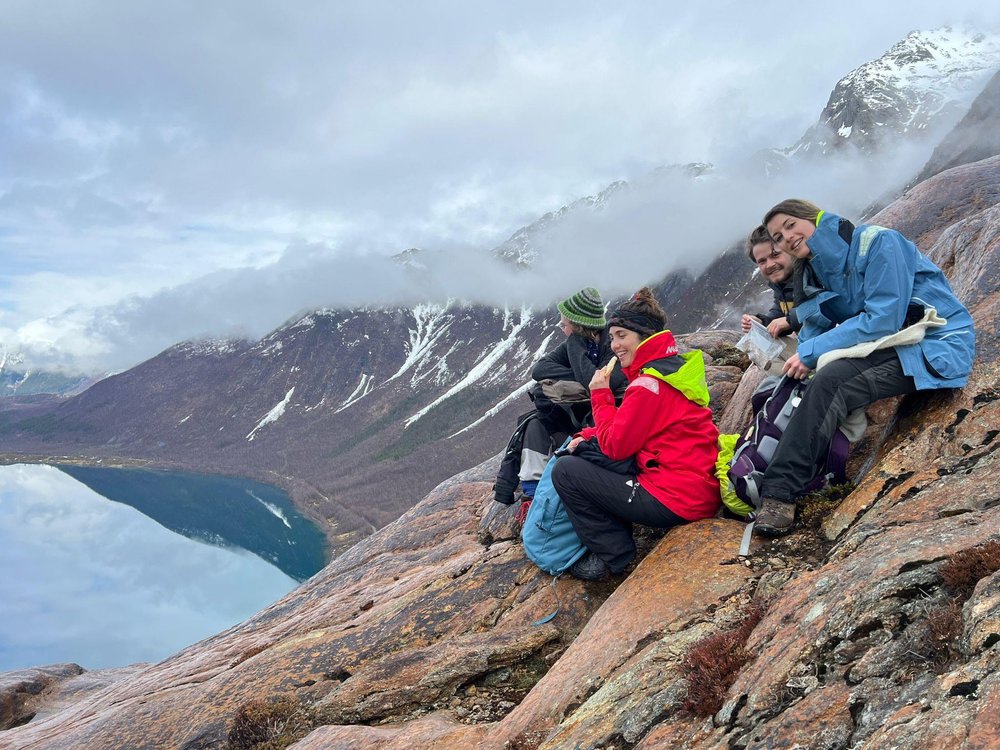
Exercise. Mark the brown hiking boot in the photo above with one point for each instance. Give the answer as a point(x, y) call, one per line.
point(775, 517)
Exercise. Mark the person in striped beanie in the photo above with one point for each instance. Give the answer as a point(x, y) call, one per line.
point(561, 396)
point(585, 309)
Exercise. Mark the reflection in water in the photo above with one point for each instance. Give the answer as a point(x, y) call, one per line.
point(227, 511)
point(98, 583)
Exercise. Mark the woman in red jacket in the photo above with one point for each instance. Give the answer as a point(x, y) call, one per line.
point(663, 421)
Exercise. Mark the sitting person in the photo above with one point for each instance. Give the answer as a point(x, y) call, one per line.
point(868, 334)
point(561, 396)
point(663, 422)
point(776, 267)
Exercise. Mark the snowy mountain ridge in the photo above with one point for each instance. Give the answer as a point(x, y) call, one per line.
point(925, 81)
point(928, 76)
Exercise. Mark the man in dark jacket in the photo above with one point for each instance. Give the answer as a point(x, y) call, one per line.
point(777, 267)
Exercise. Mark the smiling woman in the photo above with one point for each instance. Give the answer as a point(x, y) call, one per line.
point(664, 423)
point(882, 322)
point(96, 582)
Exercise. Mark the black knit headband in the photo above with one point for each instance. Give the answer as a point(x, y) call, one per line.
point(634, 321)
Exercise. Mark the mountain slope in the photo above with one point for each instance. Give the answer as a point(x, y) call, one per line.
point(878, 628)
point(928, 76)
point(976, 137)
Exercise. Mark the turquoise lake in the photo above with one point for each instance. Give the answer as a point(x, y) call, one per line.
point(107, 567)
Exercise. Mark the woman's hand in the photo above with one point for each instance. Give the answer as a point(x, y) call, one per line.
point(778, 327)
point(795, 369)
point(573, 443)
point(600, 380)
point(747, 321)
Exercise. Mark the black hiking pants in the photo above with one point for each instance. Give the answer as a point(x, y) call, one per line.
point(835, 391)
point(536, 448)
point(603, 505)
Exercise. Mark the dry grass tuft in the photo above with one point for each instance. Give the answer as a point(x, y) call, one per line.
point(269, 725)
point(963, 570)
point(712, 664)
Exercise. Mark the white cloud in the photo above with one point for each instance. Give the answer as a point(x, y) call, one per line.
point(212, 151)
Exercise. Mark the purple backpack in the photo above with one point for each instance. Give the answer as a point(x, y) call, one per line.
point(773, 406)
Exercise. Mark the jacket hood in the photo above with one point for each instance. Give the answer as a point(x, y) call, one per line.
point(658, 357)
point(830, 244)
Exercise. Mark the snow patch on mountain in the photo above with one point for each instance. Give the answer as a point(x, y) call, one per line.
point(274, 348)
point(431, 323)
point(496, 408)
point(215, 347)
point(484, 366)
point(510, 397)
point(364, 387)
point(272, 416)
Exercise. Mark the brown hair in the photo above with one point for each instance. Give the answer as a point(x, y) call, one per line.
point(758, 236)
point(642, 314)
point(796, 207)
point(586, 331)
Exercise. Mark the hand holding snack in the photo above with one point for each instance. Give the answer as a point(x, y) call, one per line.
point(602, 375)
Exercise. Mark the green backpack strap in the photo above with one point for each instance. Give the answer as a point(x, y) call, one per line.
point(727, 447)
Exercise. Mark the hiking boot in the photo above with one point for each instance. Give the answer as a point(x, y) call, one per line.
point(521, 514)
point(775, 518)
point(590, 568)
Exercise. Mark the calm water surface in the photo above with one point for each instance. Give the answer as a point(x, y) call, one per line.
point(93, 580)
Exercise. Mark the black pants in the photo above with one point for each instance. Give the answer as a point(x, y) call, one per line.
point(835, 391)
point(602, 506)
point(536, 448)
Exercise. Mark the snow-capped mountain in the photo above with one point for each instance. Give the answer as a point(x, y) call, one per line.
point(358, 413)
point(923, 83)
point(929, 77)
point(519, 249)
point(18, 380)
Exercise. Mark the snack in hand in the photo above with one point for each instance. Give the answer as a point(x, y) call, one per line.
point(610, 366)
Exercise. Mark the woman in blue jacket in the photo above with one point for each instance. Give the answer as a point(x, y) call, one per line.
point(870, 334)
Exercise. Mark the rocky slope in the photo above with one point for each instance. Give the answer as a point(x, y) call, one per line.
point(975, 137)
point(880, 622)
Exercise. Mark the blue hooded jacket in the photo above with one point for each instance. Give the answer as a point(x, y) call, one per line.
point(869, 285)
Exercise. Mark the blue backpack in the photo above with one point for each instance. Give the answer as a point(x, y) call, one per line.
point(549, 539)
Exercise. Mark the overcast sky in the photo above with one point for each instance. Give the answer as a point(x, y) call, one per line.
point(170, 170)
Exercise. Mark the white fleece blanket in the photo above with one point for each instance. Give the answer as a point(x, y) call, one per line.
point(913, 334)
point(855, 423)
